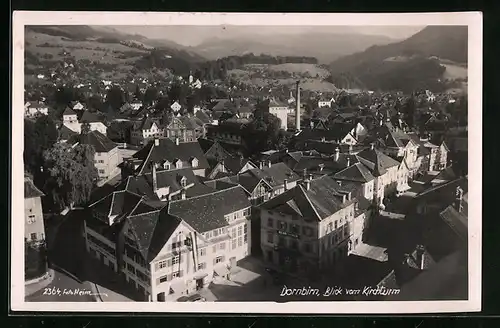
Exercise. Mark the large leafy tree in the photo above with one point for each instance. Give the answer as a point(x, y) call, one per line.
point(263, 132)
point(71, 174)
point(38, 137)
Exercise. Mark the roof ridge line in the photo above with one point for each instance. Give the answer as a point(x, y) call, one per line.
point(215, 192)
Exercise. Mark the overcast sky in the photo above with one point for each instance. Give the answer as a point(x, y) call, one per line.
point(194, 35)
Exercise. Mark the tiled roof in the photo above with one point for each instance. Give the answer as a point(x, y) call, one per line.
point(89, 117)
point(168, 150)
point(235, 163)
point(171, 178)
point(376, 161)
point(118, 204)
point(319, 202)
point(66, 133)
point(204, 117)
point(456, 220)
point(357, 172)
point(30, 190)
point(206, 212)
point(68, 111)
point(99, 141)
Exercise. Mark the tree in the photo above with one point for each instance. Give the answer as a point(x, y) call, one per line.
point(119, 131)
point(38, 137)
point(150, 95)
point(263, 132)
point(71, 174)
point(85, 129)
point(115, 97)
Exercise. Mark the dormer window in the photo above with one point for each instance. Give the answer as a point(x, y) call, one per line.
point(178, 164)
point(194, 162)
point(183, 182)
point(166, 165)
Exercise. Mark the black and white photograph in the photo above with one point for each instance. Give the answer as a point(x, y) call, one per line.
point(197, 162)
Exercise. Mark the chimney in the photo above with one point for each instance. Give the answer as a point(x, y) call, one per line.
point(350, 149)
point(223, 168)
point(297, 109)
point(348, 161)
point(304, 176)
point(459, 199)
point(177, 141)
point(321, 167)
point(311, 124)
point(285, 184)
point(155, 184)
point(157, 142)
point(372, 146)
point(337, 154)
point(340, 183)
point(183, 194)
point(421, 257)
point(261, 165)
point(307, 182)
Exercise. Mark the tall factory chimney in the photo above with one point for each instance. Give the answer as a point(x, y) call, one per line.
point(297, 109)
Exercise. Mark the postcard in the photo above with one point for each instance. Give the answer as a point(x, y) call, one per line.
point(254, 163)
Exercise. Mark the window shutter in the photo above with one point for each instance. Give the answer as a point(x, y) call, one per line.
point(157, 281)
point(157, 266)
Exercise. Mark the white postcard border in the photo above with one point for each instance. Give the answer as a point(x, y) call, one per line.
point(472, 19)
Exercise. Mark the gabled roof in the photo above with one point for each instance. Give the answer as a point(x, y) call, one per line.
point(319, 202)
point(206, 212)
point(357, 172)
point(99, 141)
point(204, 117)
point(66, 133)
point(376, 161)
point(89, 117)
point(172, 178)
point(146, 123)
point(168, 150)
point(30, 190)
point(234, 164)
point(68, 111)
point(118, 204)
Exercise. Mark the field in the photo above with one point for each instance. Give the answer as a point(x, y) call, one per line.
point(260, 75)
point(454, 72)
point(311, 69)
point(42, 44)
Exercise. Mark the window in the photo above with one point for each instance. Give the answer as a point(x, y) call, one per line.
point(233, 233)
point(162, 264)
point(246, 212)
point(219, 259)
point(176, 245)
point(245, 238)
point(176, 260)
point(336, 224)
point(240, 241)
point(233, 243)
point(101, 171)
point(202, 252)
point(240, 230)
point(216, 232)
point(176, 274)
point(270, 237)
point(31, 219)
point(183, 182)
point(163, 279)
point(33, 236)
point(294, 229)
point(270, 223)
point(202, 266)
point(222, 246)
point(329, 227)
point(282, 225)
point(307, 248)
